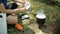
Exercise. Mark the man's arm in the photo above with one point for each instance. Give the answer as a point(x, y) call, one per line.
point(18, 10)
point(15, 11)
point(9, 11)
point(1, 8)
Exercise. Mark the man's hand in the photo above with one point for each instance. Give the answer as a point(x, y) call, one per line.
point(20, 5)
point(20, 1)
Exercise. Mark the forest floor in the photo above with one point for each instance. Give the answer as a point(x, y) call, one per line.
point(52, 20)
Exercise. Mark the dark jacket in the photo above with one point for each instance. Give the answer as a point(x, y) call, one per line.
point(5, 3)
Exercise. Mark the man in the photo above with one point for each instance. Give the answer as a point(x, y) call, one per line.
point(3, 4)
point(11, 19)
point(26, 6)
point(5, 9)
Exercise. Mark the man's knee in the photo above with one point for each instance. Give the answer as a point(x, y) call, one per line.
point(12, 19)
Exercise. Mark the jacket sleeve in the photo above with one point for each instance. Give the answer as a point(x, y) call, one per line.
point(5, 4)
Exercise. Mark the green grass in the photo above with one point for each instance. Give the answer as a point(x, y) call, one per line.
point(52, 13)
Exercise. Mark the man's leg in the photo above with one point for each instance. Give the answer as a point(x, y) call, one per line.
point(12, 19)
